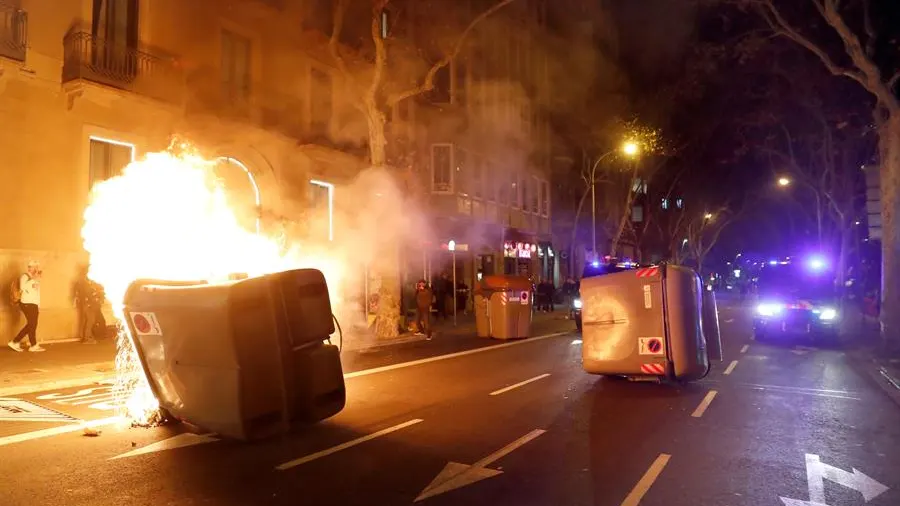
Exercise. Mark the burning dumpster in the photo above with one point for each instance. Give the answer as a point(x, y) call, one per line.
point(647, 323)
point(246, 358)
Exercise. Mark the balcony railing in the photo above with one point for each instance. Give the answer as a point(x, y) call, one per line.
point(13, 32)
point(116, 65)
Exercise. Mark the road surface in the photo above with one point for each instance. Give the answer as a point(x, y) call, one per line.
point(774, 424)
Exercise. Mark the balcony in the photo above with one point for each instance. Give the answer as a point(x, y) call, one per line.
point(114, 64)
point(13, 32)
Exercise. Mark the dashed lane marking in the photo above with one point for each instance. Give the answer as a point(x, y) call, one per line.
point(344, 446)
point(731, 366)
point(704, 404)
point(519, 384)
point(745, 348)
point(643, 486)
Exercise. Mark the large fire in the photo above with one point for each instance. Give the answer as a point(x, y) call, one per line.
point(167, 216)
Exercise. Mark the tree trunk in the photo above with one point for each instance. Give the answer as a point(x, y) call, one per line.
point(626, 215)
point(889, 144)
point(387, 265)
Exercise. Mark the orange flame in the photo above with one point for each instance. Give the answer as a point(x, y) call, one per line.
point(167, 216)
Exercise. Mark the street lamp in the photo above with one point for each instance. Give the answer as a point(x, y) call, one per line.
point(452, 247)
point(630, 149)
point(708, 216)
point(783, 181)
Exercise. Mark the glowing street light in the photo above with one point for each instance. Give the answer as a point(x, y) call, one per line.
point(630, 148)
point(783, 181)
point(452, 247)
point(708, 216)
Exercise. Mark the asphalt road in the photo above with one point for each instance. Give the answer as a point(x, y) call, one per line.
point(785, 425)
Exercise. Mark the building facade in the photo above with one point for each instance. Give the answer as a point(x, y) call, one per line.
point(86, 86)
point(483, 144)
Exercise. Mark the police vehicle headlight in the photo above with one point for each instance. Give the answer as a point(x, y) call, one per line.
point(827, 314)
point(769, 308)
point(577, 304)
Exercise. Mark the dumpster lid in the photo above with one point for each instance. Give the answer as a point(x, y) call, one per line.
point(503, 282)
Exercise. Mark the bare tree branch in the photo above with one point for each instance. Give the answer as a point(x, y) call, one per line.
point(782, 27)
point(340, 9)
point(380, 51)
point(870, 30)
point(428, 83)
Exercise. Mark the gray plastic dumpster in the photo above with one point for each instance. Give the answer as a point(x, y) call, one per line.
point(503, 307)
point(245, 359)
point(644, 323)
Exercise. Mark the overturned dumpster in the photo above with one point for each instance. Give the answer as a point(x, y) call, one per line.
point(649, 323)
point(246, 359)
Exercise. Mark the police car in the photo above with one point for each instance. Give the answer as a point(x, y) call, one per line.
point(796, 297)
point(592, 269)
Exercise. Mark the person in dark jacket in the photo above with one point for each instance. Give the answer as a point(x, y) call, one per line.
point(424, 297)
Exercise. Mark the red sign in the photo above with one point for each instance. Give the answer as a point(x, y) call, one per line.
point(648, 272)
point(655, 369)
point(524, 297)
point(141, 324)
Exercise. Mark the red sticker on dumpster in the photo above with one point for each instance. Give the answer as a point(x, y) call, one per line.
point(146, 324)
point(655, 369)
point(524, 298)
point(650, 346)
point(648, 272)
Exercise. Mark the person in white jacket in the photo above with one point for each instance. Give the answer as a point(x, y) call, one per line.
point(29, 303)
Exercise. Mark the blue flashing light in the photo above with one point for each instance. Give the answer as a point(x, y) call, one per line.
point(595, 264)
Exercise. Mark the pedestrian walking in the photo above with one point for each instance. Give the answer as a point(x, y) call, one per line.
point(424, 297)
point(26, 293)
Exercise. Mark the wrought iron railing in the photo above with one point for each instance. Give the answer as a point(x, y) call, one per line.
point(115, 64)
point(13, 32)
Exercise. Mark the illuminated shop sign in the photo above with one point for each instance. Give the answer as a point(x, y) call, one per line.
point(513, 249)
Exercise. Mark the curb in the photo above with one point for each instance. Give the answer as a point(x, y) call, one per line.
point(52, 385)
point(880, 375)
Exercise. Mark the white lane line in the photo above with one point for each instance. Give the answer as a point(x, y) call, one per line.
point(55, 431)
point(511, 447)
point(639, 490)
point(745, 348)
point(402, 365)
point(704, 404)
point(729, 320)
point(344, 446)
point(519, 384)
point(731, 367)
point(38, 434)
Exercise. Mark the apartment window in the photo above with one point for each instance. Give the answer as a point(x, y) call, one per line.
point(503, 189)
point(462, 172)
point(477, 179)
point(114, 25)
point(639, 186)
point(235, 65)
point(525, 193)
point(108, 159)
point(442, 168)
point(321, 92)
point(385, 19)
point(441, 93)
point(321, 206)
point(535, 198)
point(515, 194)
point(665, 204)
point(545, 198)
point(637, 214)
point(679, 203)
point(493, 185)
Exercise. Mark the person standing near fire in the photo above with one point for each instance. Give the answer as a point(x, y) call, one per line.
point(26, 292)
point(424, 297)
point(89, 301)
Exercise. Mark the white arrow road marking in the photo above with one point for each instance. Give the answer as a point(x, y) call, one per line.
point(816, 474)
point(179, 441)
point(455, 475)
point(798, 502)
point(643, 486)
point(519, 384)
point(745, 348)
point(344, 446)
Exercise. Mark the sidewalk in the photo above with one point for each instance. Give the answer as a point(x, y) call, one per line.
point(63, 365)
point(879, 362)
point(67, 365)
